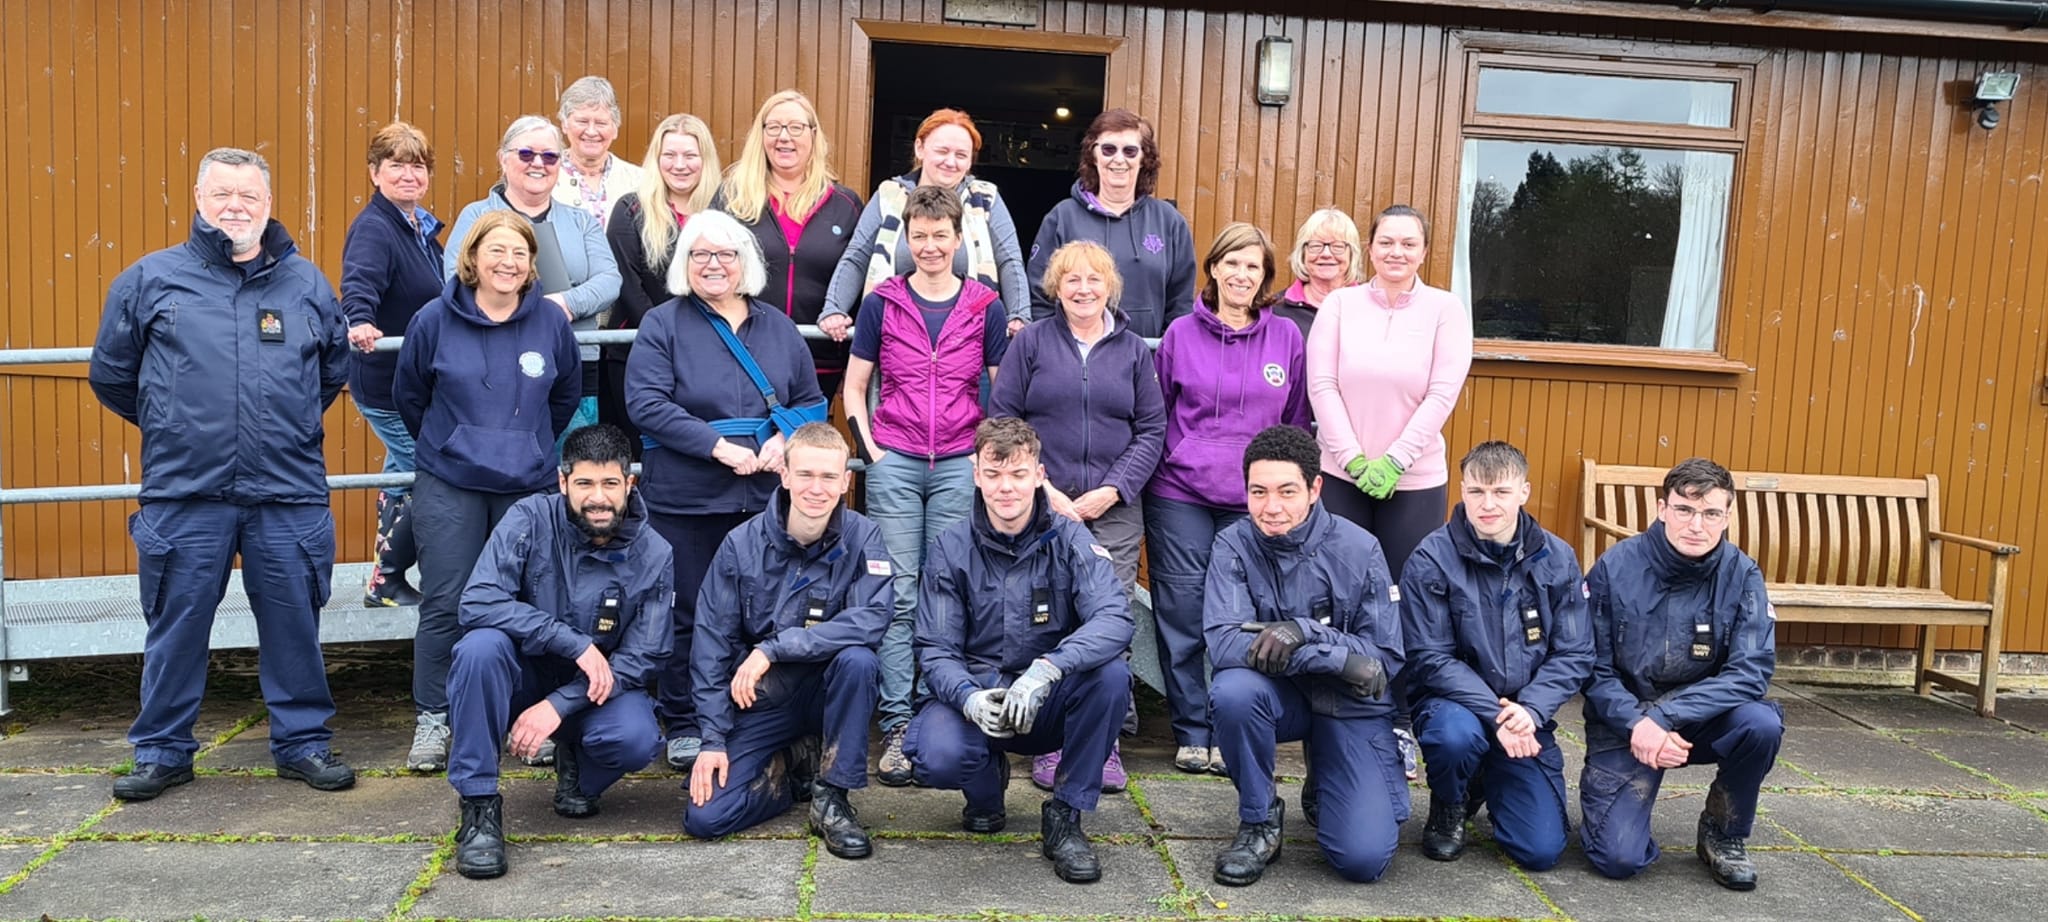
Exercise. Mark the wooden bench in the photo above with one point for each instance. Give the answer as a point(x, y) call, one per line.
point(1837, 550)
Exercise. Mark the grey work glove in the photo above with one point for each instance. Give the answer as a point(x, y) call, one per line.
point(1274, 648)
point(1365, 675)
point(984, 709)
point(1028, 694)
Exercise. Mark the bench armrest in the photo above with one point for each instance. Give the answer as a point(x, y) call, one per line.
point(1978, 543)
point(1602, 525)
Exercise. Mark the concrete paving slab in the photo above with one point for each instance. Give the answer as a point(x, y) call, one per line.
point(1792, 885)
point(2015, 757)
point(1300, 883)
point(240, 806)
point(185, 880)
point(16, 855)
point(43, 805)
point(633, 807)
point(96, 735)
point(1915, 824)
point(633, 879)
point(926, 810)
point(2029, 711)
point(1803, 713)
point(1862, 759)
point(1898, 709)
point(1956, 889)
point(1194, 809)
point(919, 878)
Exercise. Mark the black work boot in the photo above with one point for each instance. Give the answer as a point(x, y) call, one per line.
point(570, 801)
point(1061, 839)
point(480, 842)
point(1256, 846)
point(150, 779)
point(1443, 837)
point(833, 819)
point(981, 821)
point(396, 550)
point(1725, 856)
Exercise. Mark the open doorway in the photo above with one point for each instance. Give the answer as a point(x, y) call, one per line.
point(1028, 149)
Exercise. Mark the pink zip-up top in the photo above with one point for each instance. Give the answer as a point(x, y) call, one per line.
point(1384, 372)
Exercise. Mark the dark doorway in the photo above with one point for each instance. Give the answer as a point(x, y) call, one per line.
point(1027, 149)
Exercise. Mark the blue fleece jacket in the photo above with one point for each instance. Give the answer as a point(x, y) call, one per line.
point(1101, 418)
point(388, 272)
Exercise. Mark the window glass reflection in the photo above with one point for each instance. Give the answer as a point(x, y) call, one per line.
point(1507, 91)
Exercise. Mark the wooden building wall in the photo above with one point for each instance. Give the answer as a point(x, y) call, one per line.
point(1887, 256)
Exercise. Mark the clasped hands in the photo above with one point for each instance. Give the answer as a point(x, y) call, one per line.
point(745, 462)
point(1273, 650)
point(1657, 747)
point(1376, 477)
point(1001, 713)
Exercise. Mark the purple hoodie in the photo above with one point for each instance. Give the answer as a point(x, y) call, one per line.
point(1223, 386)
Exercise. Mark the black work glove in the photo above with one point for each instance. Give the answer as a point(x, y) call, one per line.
point(1274, 647)
point(1365, 675)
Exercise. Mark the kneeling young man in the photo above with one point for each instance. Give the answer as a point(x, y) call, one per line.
point(791, 611)
point(1304, 634)
point(1021, 628)
point(567, 615)
point(1493, 609)
point(1685, 645)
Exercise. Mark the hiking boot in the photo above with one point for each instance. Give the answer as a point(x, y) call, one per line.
point(1060, 838)
point(1256, 846)
point(1216, 766)
point(1443, 837)
point(570, 801)
point(1726, 856)
point(543, 757)
point(429, 751)
point(894, 768)
point(1114, 778)
point(802, 758)
point(1044, 769)
point(833, 820)
point(682, 752)
point(320, 770)
point(480, 841)
point(150, 779)
point(991, 820)
point(1191, 759)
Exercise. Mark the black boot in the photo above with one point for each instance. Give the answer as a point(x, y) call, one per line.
point(1061, 839)
point(1443, 837)
point(833, 820)
point(396, 550)
point(1256, 846)
point(1725, 856)
point(480, 842)
point(570, 801)
point(1311, 806)
point(802, 759)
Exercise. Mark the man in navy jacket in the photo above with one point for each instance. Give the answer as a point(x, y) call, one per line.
point(1302, 628)
point(1684, 643)
point(1493, 609)
point(788, 619)
point(1021, 628)
point(226, 350)
point(567, 615)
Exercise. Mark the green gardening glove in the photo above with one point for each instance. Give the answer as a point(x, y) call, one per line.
point(1380, 475)
point(1356, 468)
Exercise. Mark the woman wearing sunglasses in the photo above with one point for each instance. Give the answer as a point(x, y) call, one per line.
point(530, 157)
point(1113, 205)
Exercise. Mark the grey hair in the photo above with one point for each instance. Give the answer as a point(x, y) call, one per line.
point(232, 156)
point(718, 227)
point(589, 91)
point(526, 123)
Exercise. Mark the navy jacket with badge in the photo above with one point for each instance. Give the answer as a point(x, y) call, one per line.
point(796, 604)
point(1467, 615)
point(1330, 577)
point(543, 583)
point(989, 603)
point(1648, 602)
point(226, 367)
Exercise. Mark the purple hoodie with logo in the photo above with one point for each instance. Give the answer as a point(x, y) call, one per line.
point(1223, 386)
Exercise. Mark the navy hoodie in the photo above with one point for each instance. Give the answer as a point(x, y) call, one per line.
point(485, 400)
point(388, 272)
point(1154, 251)
point(1102, 419)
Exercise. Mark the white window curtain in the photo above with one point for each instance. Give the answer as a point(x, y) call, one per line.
point(1461, 259)
point(1695, 298)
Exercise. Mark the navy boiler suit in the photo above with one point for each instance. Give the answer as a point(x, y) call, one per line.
point(1329, 577)
point(817, 612)
point(1484, 622)
point(541, 594)
point(988, 605)
point(1689, 644)
point(227, 369)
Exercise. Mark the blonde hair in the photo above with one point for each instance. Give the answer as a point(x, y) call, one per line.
point(465, 261)
point(1236, 236)
point(718, 227)
point(657, 212)
point(1075, 255)
point(1329, 219)
point(746, 188)
point(817, 435)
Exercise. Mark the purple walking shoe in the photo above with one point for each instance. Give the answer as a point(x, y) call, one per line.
point(1043, 768)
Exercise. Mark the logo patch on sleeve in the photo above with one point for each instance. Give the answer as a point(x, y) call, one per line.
point(1393, 593)
point(1101, 552)
point(879, 568)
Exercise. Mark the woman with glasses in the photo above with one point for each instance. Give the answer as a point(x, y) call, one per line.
point(1113, 205)
point(1326, 257)
point(530, 159)
point(698, 386)
point(783, 190)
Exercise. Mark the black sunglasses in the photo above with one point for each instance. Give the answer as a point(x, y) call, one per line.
point(547, 157)
point(1130, 151)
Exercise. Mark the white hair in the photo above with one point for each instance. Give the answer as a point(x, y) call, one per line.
point(723, 229)
point(232, 156)
point(590, 91)
point(526, 123)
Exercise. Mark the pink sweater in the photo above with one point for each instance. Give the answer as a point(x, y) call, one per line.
point(1383, 375)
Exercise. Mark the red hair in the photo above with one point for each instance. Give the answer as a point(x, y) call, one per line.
point(943, 117)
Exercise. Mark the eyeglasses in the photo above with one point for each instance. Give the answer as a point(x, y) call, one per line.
point(1318, 247)
point(1130, 151)
point(547, 157)
point(704, 257)
point(785, 129)
point(1712, 518)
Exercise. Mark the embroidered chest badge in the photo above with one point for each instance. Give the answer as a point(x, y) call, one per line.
point(532, 365)
point(1153, 244)
point(1275, 375)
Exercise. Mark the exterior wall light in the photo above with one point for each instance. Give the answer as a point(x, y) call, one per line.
point(1993, 87)
point(1276, 70)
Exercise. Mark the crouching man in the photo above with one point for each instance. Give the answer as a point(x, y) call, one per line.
point(1302, 628)
point(791, 611)
point(566, 616)
point(1021, 628)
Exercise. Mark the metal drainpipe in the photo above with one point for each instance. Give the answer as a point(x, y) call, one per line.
point(2017, 13)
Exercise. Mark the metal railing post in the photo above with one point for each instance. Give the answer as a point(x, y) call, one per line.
point(6, 668)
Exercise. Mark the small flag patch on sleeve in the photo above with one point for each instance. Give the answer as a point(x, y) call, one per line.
point(1101, 552)
point(879, 568)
